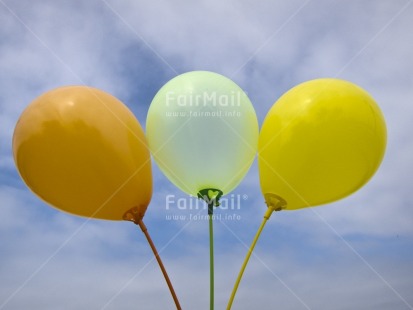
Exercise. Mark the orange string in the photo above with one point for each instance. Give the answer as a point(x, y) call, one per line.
point(158, 258)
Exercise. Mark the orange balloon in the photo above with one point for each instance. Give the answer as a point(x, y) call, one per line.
point(84, 152)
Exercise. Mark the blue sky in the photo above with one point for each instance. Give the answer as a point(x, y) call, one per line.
point(353, 254)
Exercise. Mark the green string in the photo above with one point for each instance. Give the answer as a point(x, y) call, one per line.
point(211, 263)
point(211, 196)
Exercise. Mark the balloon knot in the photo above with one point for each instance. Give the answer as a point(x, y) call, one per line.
point(211, 196)
point(133, 215)
point(274, 202)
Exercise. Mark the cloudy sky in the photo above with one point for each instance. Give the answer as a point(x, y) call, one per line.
point(353, 254)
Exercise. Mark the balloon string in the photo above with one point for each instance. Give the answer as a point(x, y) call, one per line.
point(211, 262)
point(247, 258)
point(158, 258)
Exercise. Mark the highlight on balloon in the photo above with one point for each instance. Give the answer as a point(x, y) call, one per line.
point(82, 151)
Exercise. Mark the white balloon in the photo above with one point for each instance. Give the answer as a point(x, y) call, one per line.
point(202, 131)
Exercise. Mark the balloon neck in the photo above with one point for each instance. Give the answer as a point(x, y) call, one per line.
point(211, 196)
point(274, 203)
point(133, 215)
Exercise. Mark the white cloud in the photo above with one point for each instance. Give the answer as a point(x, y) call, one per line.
point(86, 41)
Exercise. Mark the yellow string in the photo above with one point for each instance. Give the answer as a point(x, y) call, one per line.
point(247, 258)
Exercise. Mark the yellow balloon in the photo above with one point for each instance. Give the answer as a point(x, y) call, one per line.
point(82, 151)
point(203, 132)
point(321, 141)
